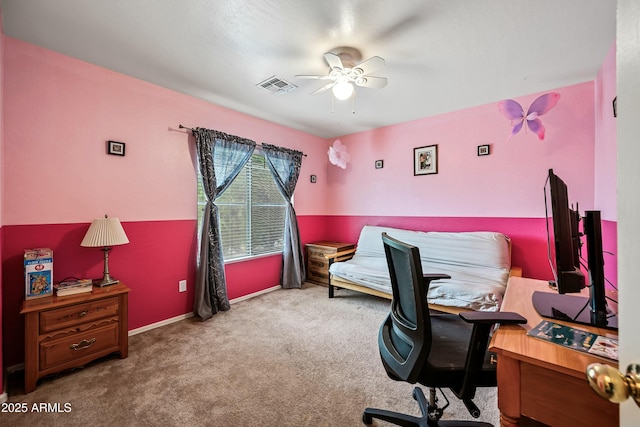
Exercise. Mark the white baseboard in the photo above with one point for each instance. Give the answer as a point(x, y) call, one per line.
point(188, 315)
point(255, 294)
point(159, 324)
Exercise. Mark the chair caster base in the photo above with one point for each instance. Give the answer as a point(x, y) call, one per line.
point(410, 421)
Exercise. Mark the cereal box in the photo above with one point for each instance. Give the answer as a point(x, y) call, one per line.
point(38, 272)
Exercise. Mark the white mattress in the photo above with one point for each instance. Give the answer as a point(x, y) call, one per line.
point(478, 263)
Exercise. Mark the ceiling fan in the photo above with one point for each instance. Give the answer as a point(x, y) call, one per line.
point(346, 70)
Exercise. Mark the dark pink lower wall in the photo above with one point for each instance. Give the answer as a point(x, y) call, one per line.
point(528, 235)
point(160, 254)
point(1, 317)
point(163, 252)
point(247, 277)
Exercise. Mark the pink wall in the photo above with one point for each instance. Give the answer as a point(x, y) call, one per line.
point(507, 183)
point(528, 235)
point(606, 139)
point(151, 267)
point(59, 112)
point(1, 195)
point(606, 167)
point(501, 192)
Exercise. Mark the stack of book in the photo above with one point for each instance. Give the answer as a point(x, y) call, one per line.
point(73, 287)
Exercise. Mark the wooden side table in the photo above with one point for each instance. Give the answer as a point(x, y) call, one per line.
point(71, 331)
point(318, 255)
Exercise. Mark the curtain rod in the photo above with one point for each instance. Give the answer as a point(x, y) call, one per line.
point(257, 144)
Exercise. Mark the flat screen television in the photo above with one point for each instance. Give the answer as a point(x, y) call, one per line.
point(564, 249)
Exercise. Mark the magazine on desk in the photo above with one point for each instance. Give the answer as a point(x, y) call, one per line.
point(576, 339)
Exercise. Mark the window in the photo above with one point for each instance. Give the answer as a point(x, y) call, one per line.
point(252, 212)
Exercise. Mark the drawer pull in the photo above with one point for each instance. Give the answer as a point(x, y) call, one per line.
point(83, 313)
point(83, 344)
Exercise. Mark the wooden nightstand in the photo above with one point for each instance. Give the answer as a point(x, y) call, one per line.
point(71, 331)
point(318, 255)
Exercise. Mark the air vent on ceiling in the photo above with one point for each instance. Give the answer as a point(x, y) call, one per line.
point(276, 85)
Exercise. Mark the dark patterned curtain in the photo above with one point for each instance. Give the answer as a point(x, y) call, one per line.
point(221, 157)
point(284, 165)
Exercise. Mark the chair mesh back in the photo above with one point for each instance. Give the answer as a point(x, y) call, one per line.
point(405, 337)
point(402, 273)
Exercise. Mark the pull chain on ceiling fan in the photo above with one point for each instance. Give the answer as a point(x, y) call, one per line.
point(345, 70)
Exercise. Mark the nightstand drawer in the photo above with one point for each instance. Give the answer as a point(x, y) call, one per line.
point(318, 276)
point(77, 314)
point(58, 351)
point(319, 263)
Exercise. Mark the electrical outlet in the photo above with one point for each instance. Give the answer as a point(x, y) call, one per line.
point(182, 286)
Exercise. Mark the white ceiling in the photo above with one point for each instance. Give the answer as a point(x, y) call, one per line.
point(441, 55)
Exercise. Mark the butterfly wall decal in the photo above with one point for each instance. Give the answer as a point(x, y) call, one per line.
point(513, 111)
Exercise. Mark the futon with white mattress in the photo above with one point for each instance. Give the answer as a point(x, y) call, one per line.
point(478, 262)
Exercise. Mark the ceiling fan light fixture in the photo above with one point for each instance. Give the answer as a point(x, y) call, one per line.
point(346, 71)
point(342, 90)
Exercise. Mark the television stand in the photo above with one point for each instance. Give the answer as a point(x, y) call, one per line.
point(567, 308)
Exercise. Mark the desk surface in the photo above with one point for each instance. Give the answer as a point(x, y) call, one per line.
point(530, 369)
point(515, 341)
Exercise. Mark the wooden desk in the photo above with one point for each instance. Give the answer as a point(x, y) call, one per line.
point(542, 381)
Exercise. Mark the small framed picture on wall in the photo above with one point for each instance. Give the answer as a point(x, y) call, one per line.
point(425, 160)
point(116, 148)
point(483, 150)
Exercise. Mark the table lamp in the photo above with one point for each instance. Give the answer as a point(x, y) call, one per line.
point(105, 233)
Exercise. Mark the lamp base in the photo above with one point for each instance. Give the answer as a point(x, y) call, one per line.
point(102, 282)
point(106, 278)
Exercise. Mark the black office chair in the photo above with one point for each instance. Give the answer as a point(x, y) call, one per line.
point(435, 350)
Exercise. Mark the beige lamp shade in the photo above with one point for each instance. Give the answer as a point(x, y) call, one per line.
point(105, 232)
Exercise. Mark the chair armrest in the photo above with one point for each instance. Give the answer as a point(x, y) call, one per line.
point(431, 277)
point(428, 278)
point(491, 317)
point(483, 322)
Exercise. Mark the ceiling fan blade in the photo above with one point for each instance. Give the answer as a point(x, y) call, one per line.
point(370, 81)
point(311, 76)
point(370, 65)
point(323, 88)
point(333, 61)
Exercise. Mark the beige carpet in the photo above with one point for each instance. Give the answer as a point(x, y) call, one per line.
point(286, 358)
